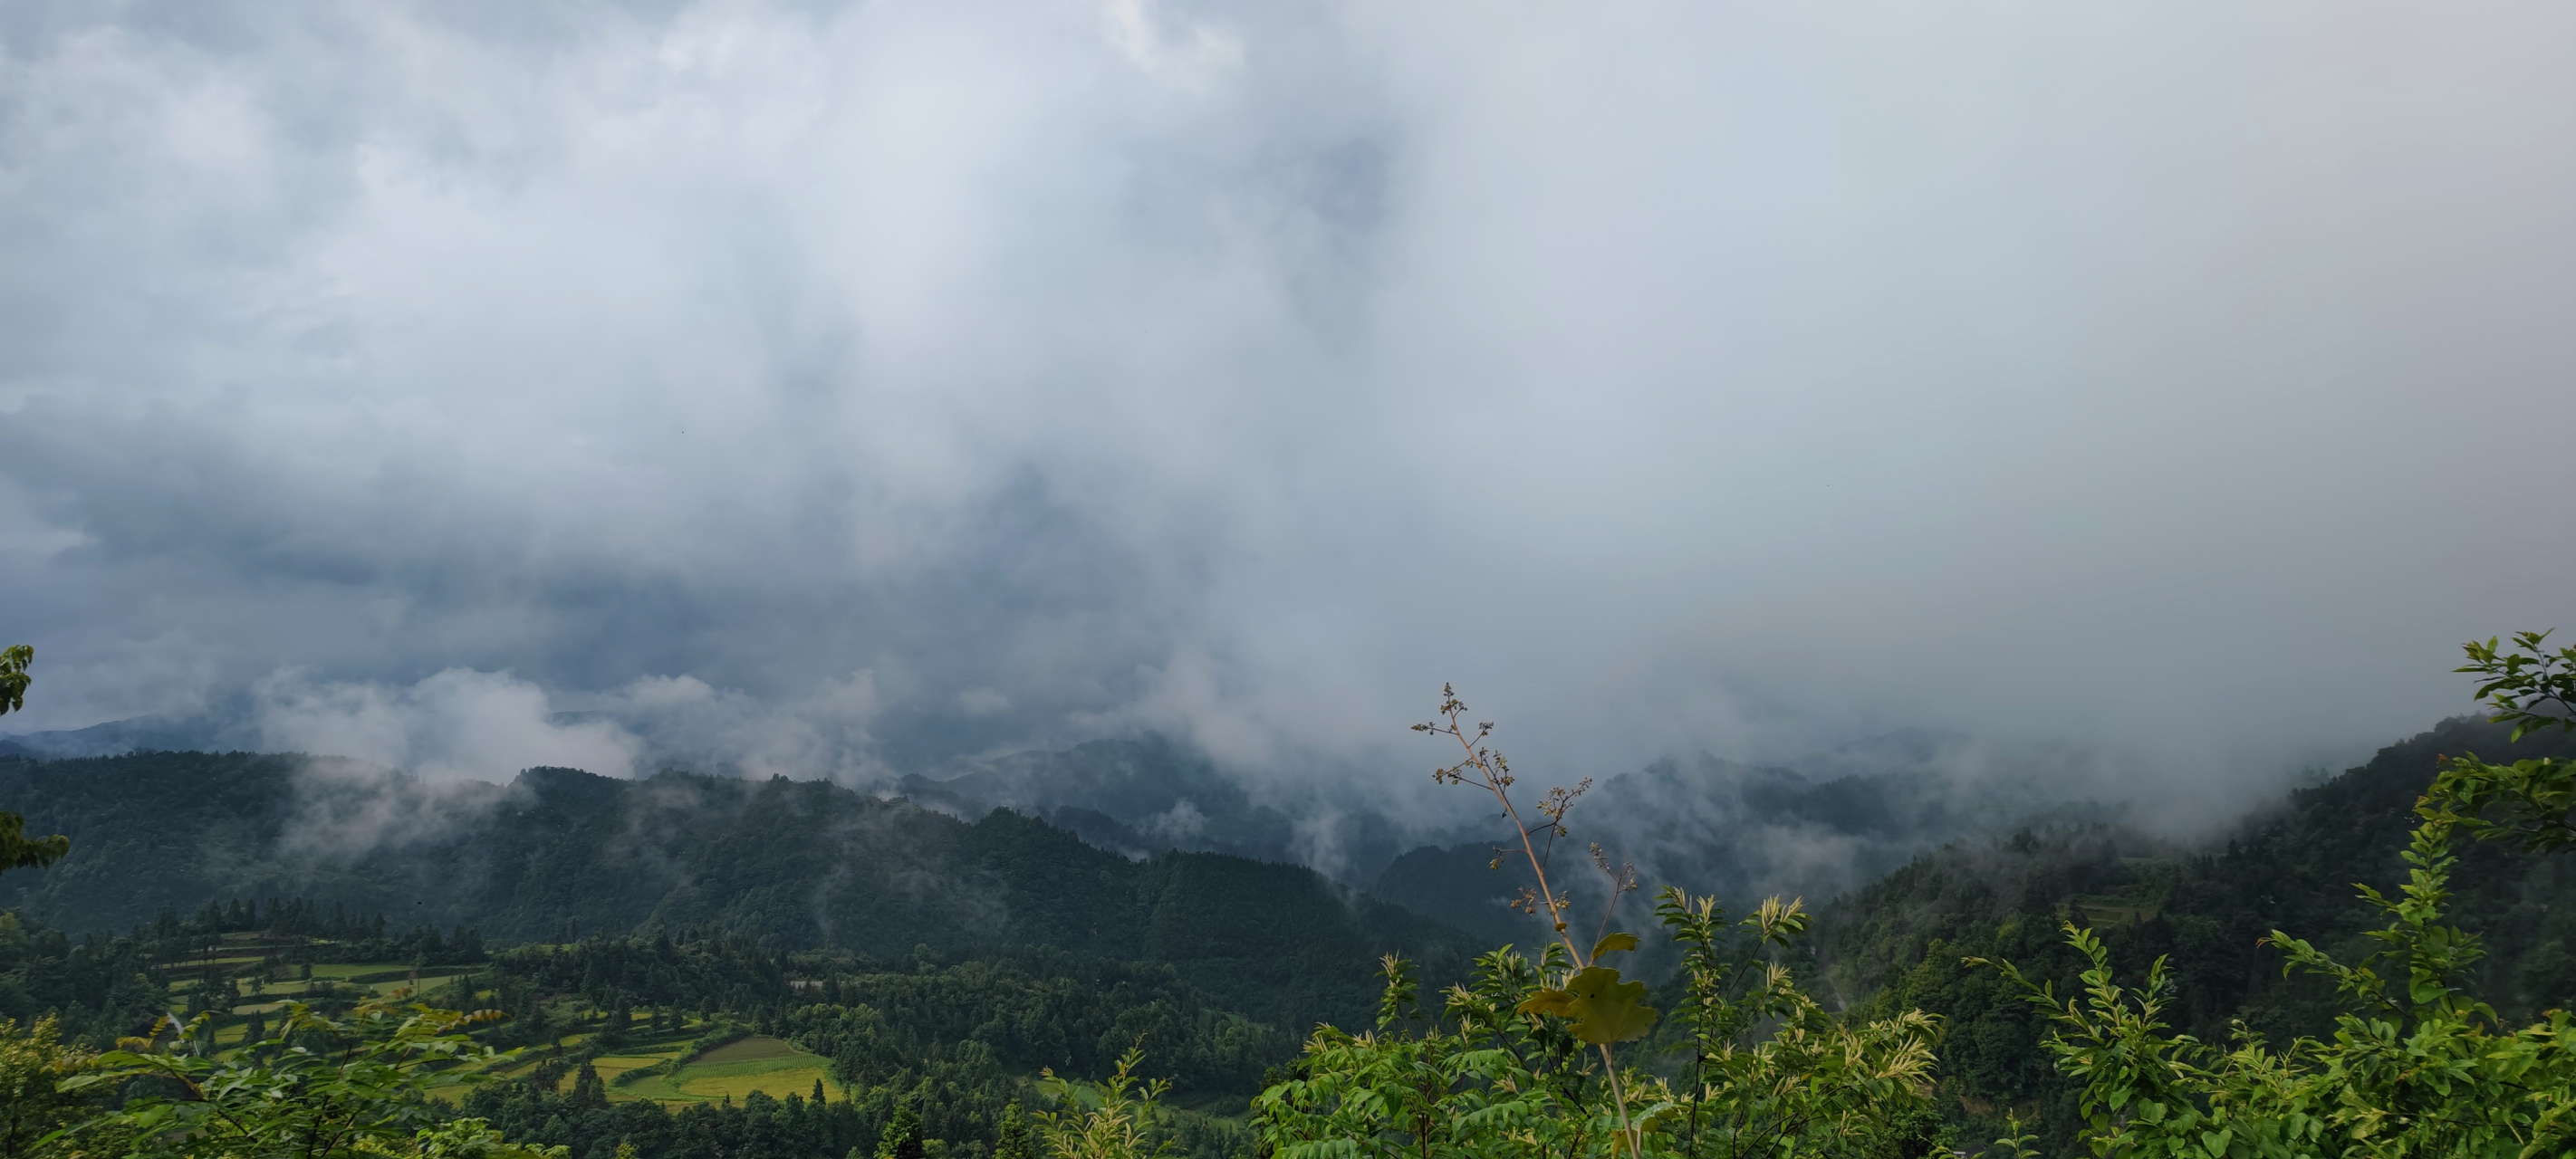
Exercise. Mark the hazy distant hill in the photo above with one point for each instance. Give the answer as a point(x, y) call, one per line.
point(804, 862)
point(1835, 820)
point(1138, 795)
point(1736, 830)
point(118, 737)
point(1819, 824)
point(1148, 794)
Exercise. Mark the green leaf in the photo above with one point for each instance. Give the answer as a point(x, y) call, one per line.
point(1613, 943)
point(1602, 1008)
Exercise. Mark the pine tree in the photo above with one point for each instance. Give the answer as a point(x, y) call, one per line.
point(902, 1136)
point(1015, 1141)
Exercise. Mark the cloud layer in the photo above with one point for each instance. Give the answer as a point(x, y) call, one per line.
point(960, 375)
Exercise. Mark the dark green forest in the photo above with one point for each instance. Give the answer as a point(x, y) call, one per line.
point(958, 1037)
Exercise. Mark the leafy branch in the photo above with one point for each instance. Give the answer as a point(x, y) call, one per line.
point(13, 677)
point(319, 1088)
point(17, 850)
point(1119, 1128)
point(2528, 802)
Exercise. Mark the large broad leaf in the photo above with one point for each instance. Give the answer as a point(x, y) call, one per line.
point(1601, 1008)
point(1612, 944)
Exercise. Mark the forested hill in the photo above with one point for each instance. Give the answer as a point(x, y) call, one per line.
point(804, 863)
point(1900, 942)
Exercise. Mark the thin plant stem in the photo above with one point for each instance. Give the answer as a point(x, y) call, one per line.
point(1498, 782)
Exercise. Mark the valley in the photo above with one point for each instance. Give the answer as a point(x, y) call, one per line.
point(694, 950)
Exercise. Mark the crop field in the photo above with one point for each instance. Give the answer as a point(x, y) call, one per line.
point(610, 1066)
point(733, 1070)
point(376, 979)
point(2103, 909)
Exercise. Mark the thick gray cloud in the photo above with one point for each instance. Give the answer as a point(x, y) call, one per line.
point(906, 379)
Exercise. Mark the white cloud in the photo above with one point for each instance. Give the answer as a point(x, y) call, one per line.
point(1190, 61)
point(690, 724)
point(1664, 375)
point(1182, 822)
point(454, 725)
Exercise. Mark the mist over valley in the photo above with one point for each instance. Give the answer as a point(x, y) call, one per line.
point(820, 579)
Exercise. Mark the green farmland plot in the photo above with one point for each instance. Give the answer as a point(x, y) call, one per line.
point(733, 1070)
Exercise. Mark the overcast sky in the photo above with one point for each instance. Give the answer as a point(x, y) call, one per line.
point(876, 383)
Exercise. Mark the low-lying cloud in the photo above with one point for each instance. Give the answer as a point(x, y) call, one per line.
point(453, 725)
point(836, 388)
point(459, 724)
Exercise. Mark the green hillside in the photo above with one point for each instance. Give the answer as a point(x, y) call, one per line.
point(803, 864)
point(2208, 907)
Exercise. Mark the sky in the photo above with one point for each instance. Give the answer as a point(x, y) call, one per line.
point(855, 387)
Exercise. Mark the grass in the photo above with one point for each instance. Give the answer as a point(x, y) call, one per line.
point(2102, 909)
point(753, 1049)
point(365, 979)
point(733, 1070)
point(612, 1065)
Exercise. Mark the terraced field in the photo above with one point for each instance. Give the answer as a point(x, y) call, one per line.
point(610, 1066)
point(730, 1071)
point(733, 1070)
point(380, 980)
point(2106, 909)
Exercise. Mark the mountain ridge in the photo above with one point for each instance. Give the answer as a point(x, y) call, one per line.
point(803, 863)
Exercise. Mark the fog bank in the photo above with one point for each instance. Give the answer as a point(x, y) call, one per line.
point(852, 389)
